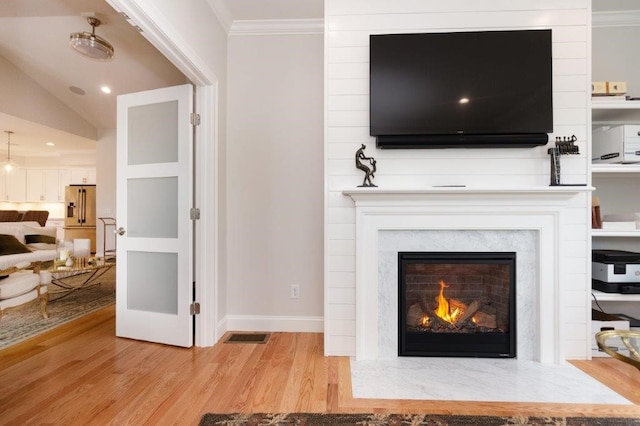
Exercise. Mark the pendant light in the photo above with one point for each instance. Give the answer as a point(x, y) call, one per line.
point(9, 165)
point(91, 45)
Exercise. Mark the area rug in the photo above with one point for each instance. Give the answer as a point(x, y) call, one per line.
point(307, 419)
point(21, 324)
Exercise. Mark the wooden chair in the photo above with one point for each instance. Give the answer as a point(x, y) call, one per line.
point(9, 216)
point(39, 216)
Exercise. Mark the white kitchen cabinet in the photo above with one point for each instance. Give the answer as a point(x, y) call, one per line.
point(45, 185)
point(15, 185)
point(82, 176)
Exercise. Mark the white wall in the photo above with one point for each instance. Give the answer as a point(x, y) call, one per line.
point(105, 187)
point(348, 26)
point(274, 179)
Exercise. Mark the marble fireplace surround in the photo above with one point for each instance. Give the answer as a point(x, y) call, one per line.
point(538, 210)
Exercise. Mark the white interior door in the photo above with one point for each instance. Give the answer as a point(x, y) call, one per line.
point(154, 198)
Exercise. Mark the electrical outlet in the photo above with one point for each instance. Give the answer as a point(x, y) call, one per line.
point(295, 291)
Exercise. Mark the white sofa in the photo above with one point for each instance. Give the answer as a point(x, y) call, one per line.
point(34, 244)
point(22, 230)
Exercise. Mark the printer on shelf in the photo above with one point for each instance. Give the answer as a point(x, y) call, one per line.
point(615, 271)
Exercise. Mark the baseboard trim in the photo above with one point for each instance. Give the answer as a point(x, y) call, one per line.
point(274, 323)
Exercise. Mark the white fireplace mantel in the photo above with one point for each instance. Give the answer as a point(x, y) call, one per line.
point(362, 195)
point(541, 209)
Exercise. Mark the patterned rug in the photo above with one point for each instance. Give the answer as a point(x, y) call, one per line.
point(308, 419)
point(17, 325)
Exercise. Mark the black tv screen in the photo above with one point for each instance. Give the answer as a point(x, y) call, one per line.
point(461, 89)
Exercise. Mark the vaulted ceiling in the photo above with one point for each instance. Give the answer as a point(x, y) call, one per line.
point(34, 37)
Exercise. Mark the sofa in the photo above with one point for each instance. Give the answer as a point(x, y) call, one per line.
point(23, 247)
point(26, 242)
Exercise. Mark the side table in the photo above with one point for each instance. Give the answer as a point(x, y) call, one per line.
point(65, 277)
point(608, 341)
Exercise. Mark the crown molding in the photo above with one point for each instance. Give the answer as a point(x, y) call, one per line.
point(619, 18)
point(277, 27)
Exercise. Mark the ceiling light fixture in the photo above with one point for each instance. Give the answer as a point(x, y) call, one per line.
point(9, 165)
point(91, 45)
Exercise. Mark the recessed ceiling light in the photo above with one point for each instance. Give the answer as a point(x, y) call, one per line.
point(77, 90)
point(50, 144)
point(106, 89)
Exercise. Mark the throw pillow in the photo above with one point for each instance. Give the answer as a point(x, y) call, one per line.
point(31, 239)
point(10, 245)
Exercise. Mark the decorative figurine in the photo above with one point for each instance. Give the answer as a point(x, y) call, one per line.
point(563, 146)
point(369, 172)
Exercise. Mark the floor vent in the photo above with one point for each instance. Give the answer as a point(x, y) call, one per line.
point(247, 338)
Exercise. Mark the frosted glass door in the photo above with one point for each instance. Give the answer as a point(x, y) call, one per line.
point(154, 187)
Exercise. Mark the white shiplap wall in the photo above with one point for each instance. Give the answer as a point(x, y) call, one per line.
point(348, 25)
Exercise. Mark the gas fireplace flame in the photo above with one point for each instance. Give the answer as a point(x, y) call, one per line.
point(443, 309)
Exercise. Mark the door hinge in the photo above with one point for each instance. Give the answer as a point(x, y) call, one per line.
point(194, 213)
point(195, 119)
point(194, 308)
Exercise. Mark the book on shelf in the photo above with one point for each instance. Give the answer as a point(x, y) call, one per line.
point(596, 218)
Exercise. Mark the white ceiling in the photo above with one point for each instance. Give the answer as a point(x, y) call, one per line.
point(34, 36)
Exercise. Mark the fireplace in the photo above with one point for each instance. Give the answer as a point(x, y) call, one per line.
point(458, 304)
point(533, 222)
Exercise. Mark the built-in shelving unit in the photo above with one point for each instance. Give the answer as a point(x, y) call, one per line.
point(612, 179)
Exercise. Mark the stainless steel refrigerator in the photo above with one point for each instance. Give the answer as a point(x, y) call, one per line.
point(80, 213)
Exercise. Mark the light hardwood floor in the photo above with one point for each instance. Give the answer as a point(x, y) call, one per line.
point(81, 374)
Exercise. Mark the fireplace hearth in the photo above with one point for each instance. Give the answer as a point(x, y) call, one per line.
point(457, 304)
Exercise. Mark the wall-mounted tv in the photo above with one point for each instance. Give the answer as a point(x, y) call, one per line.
point(489, 89)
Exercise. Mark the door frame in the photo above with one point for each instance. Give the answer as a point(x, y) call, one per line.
point(171, 45)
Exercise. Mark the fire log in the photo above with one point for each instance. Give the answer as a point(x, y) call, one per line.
point(486, 320)
point(415, 315)
point(436, 319)
point(468, 313)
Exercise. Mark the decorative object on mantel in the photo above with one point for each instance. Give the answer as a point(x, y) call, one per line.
point(369, 170)
point(564, 146)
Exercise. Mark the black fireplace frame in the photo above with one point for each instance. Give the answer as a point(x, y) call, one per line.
point(485, 345)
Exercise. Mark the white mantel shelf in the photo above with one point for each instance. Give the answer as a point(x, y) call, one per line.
point(364, 194)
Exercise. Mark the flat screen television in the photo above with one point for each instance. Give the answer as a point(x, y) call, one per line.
point(461, 89)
